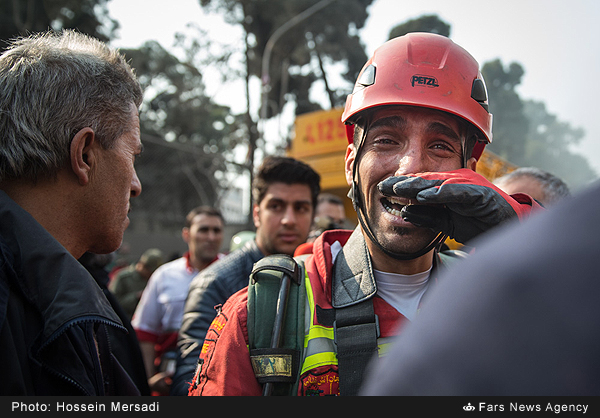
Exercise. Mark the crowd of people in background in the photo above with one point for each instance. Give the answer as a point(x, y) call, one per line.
point(69, 325)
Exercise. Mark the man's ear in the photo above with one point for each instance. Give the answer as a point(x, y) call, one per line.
point(83, 154)
point(472, 164)
point(255, 215)
point(349, 163)
point(185, 234)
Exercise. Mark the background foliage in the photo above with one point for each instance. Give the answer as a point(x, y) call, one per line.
point(524, 132)
point(195, 148)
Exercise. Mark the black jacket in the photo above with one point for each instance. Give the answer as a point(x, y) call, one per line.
point(126, 348)
point(211, 287)
point(54, 318)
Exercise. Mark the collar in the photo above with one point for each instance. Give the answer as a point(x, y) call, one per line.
point(353, 279)
point(192, 269)
point(188, 264)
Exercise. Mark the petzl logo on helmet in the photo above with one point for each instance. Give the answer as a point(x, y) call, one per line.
point(424, 80)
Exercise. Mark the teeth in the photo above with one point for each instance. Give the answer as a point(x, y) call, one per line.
point(403, 201)
point(391, 210)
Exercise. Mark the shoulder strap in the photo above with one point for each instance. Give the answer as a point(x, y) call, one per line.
point(279, 365)
point(356, 329)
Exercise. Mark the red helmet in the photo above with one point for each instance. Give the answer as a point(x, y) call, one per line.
point(423, 69)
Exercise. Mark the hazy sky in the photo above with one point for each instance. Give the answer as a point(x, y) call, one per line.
point(556, 42)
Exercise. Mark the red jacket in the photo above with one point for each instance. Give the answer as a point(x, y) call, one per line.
point(225, 367)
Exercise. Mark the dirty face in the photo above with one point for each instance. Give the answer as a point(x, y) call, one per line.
point(402, 140)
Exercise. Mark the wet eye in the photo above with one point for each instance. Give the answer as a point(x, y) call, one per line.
point(442, 146)
point(385, 141)
point(382, 135)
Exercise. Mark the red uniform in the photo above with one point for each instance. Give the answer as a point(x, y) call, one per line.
point(225, 366)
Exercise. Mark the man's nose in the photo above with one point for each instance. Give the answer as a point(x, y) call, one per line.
point(136, 186)
point(289, 215)
point(414, 160)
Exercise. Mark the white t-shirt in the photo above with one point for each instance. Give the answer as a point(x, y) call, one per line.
point(160, 309)
point(403, 292)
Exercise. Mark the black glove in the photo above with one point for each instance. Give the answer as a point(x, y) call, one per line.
point(460, 203)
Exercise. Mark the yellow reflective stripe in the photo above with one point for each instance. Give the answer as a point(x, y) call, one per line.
point(310, 301)
point(319, 346)
point(320, 359)
point(384, 344)
point(318, 331)
point(314, 331)
point(329, 357)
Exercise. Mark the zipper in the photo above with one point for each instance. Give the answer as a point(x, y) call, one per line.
point(60, 331)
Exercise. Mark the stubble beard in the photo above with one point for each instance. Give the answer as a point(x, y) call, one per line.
point(400, 239)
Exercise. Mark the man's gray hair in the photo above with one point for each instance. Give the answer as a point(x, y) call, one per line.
point(52, 85)
point(553, 187)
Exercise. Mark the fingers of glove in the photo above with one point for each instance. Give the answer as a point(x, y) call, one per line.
point(470, 200)
point(463, 232)
point(436, 218)
point(439, 219)
point(467, 194)
point(405, 186)
point(386, 187)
